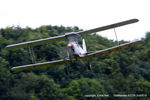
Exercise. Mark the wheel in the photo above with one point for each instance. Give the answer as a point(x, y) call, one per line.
point(89, 66)
point(66, 70)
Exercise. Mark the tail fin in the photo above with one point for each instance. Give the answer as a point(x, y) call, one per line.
point(84, 45)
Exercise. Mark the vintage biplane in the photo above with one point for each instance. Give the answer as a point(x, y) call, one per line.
point(75, 50)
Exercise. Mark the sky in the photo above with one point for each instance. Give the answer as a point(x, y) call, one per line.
point(86, 14)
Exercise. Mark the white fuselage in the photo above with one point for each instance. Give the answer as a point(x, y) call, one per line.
point(75, 47)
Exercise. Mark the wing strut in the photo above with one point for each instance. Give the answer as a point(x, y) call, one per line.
point(32, 55)
point(116, 36)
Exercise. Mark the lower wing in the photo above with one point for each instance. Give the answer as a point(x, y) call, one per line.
point(94, 54)
point(40, 65)
point(112, 49)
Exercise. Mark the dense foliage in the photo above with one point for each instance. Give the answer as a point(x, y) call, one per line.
point(122, 72)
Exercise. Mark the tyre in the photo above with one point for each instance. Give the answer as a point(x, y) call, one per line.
point(89, 66)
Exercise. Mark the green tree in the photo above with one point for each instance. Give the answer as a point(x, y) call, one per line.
point(78, 89)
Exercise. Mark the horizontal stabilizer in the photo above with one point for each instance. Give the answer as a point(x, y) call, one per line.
point(34, 43)
point(108, 26)
point(112, 49)
point(40, 65)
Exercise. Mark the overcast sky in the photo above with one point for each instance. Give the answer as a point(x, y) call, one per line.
point(86, 14)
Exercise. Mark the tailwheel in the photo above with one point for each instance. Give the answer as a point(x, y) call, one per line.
point(66, 69)
point(89, 65)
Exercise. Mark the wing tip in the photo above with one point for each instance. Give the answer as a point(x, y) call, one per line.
point(15, 69)
point(135, 20)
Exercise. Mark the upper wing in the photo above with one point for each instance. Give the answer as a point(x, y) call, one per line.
point(108, 26)
point(46, 40)
point(40, 65)
point(34, 43)
point(112, 49)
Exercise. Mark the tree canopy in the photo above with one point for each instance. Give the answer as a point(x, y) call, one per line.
point(122, 72)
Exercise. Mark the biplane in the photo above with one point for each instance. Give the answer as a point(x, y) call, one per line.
point(75, 50)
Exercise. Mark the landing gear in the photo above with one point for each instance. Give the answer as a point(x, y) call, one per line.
point(66, 70)
point(89, 65)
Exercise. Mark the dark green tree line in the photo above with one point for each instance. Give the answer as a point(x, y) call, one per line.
point(122, 72)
